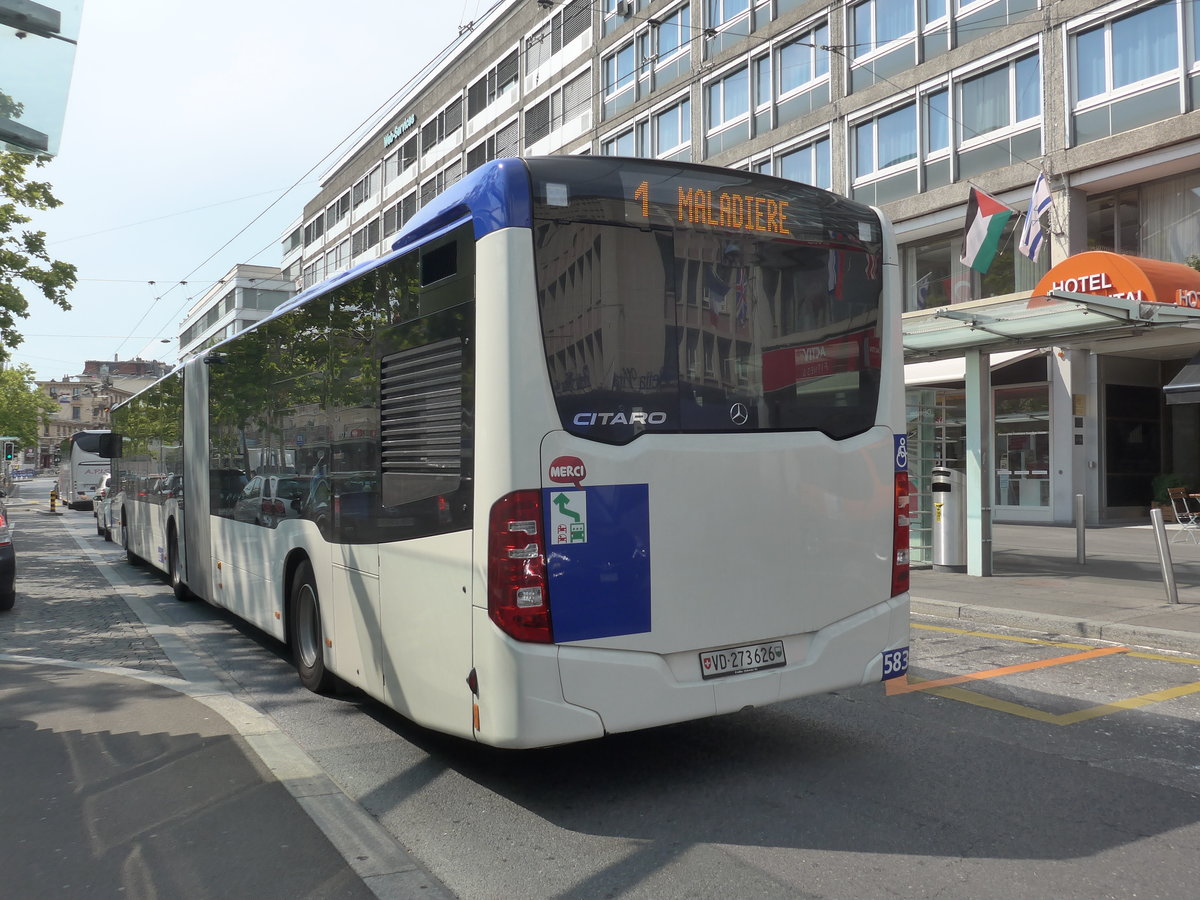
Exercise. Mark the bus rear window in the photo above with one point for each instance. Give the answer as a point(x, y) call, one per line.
point(706, 327)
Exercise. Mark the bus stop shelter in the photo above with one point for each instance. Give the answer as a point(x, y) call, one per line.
point(977, 329)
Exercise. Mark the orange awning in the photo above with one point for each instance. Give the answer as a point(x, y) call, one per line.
point(1133, 277)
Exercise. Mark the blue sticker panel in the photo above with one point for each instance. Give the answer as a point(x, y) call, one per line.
point(598, 560)
point(901, 452)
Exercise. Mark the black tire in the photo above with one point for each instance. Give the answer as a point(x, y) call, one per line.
point(7, 601)
point(174, 570)
point(99, 527)
point(307, 636)
point(133, 558)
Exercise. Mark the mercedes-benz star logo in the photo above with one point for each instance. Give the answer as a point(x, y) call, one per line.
point(739, 414)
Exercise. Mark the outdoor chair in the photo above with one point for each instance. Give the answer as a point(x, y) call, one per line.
point(1187, 516)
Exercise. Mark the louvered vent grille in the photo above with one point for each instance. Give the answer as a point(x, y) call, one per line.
point(421, 402)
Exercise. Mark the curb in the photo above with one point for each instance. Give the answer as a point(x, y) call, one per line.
point(1111, 632)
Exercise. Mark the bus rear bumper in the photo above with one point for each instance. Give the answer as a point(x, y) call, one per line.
point(631, 690)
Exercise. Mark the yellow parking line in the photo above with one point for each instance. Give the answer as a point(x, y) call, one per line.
point(896, 686)
point(1016, 639)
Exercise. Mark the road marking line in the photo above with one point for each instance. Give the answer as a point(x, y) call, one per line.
point(895, 686)
point(1133, 654)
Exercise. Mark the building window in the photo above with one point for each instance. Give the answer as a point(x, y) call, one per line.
point(727, 110)
point(1000, 98)
point(564, 26)
point(492, 85)
point(365, 187)
point(503, 143)
point(728, 18)
point(673, 131)
point(792, 79)
point(887, 140)
point(397, 163)
point(1126, 72)
point(808, 164)
point(442, 126)
point(878, 23)
point(365, 238)
point(620, 76)
point(1124, 52)
point(337, 211)
point(394, 216)
point(570, 102)
point(314, 230)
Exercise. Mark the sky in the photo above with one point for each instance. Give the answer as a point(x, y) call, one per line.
point(185, 122)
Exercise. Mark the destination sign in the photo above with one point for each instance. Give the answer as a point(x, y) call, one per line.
point(730, 210)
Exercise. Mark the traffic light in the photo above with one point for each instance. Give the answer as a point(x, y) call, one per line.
point(8, 451)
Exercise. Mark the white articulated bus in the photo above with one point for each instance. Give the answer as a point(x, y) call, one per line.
point(81, 468)
point(601, 444)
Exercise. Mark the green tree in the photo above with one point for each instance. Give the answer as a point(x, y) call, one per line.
point(23, 256)
point(23, 408)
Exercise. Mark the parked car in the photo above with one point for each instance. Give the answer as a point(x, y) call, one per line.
point(269, 499)
point(98, 499)
point(8, 559)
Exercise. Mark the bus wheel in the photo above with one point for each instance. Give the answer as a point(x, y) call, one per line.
point(133, 558)
point(173, 566)
point(304, 620)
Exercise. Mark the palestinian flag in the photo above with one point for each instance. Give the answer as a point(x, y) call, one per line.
point(986, 218)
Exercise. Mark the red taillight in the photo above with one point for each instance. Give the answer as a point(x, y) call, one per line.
point(4, 541)
point(900, 536)
point(517, 599)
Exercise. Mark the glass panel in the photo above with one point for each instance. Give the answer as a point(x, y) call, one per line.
point(736, 89)
point(795, 67)
point(864, 149)
point(1022, 445)
point(863, 40)
point(927, 280)
point(893, 19)
point(1152, 106)
point(1091, 125)
point(762, 81)
point(1089, 64)
point(984, 104)
point(824, 171)
point(897, 137)
point(937, 121)
point(1029, 88)
point(797, 165)
point(1144, 45)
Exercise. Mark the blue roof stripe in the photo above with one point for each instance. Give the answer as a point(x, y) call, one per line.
point(495, 196)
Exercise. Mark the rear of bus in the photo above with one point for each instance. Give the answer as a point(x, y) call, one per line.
point(702, 415)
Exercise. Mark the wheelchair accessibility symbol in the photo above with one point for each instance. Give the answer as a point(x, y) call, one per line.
point(901, 452)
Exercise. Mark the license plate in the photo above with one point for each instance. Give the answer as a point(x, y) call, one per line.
point(736, 660)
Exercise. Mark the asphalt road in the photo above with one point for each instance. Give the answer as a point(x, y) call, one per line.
point(1067, 773)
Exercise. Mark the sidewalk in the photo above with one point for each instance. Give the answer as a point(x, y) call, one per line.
point(114, 786)
point(1116, 595)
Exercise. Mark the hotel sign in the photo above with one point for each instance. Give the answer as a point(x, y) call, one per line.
point(1130, 277)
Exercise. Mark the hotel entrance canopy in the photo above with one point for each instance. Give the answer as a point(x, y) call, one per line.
point(1060, 319)
point(1093, 300)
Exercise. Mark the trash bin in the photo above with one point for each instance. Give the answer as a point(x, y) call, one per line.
point(949, 520)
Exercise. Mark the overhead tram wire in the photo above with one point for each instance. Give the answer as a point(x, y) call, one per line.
point(369, 122)
point(697, 75)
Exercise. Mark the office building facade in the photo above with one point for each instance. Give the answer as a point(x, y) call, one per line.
point(904, 104)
